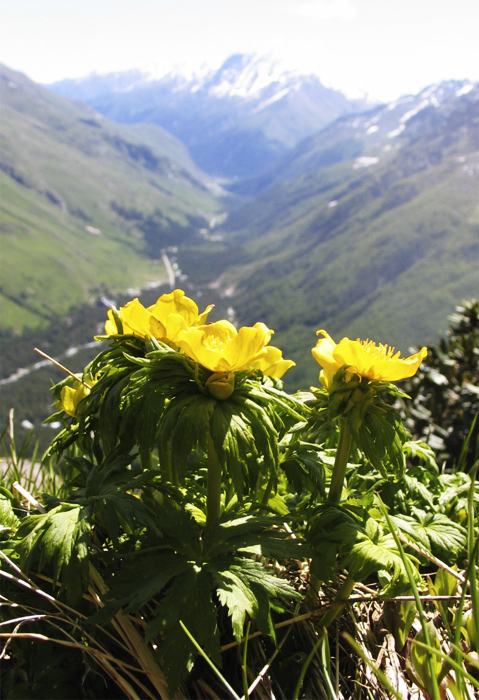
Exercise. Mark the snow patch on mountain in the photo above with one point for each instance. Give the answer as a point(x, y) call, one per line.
point(249, 77)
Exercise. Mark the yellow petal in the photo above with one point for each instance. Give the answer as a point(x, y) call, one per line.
point(365, 358)
point(71, 397)
point(136, 319)
point(221, 348)
point(201, 320)
point(248, 343)
point(379, 362)
point(110, 325)
point(271, 362)
point(176, 312)
point(323, 353)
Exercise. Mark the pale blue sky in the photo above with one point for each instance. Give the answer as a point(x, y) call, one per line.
point(383, 47)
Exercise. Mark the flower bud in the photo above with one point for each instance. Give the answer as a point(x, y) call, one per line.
point(221, 385)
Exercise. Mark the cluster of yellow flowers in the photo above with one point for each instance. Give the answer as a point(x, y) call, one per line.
point(219, 347)
point(174, 319)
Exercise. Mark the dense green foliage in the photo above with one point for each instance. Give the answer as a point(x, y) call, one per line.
point(445, 392)
point(170, 520)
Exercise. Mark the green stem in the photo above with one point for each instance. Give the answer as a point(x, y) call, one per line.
point(342, 597)
point(340, 463)
point(267, 491)
point(213, 498)
point(334, 496)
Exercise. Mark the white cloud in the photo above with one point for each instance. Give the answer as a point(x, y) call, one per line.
point(327, 9)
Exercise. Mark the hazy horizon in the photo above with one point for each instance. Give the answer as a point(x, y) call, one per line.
point(369, 47)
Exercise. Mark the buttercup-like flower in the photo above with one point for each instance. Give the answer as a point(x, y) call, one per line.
point(70, 397)
point(365, 358)
point(271, 362)
point(172, 313)
point(221, 348)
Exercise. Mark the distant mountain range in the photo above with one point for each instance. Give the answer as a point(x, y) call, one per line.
point(368, 138)
point(235, 121)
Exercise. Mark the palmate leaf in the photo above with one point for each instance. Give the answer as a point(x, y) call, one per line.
point(107, 487)
point(375, 550)
point(246, 587)
point(8, 520)
point(435, 531)
point(189, 428)
point(332, 532)
point(234, 445)
point(107, 393)
point(410, 491)
point(415, 449)
point(284, 410)
point(255, 432)
point(60, 537)
point(184, 426)
point(353, 540)
point(140, 580)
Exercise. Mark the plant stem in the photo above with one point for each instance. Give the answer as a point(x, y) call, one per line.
point(342, 596)
point(213, 497)
point(334, 496)
point(267, 491)
point(340, 463)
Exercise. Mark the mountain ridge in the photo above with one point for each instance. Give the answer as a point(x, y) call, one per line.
point(235, 120)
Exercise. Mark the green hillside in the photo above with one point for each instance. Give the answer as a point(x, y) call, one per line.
point(86, 205)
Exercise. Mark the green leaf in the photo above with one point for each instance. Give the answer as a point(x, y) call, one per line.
point(61, 537)
point(8, 520)
point(421, 659)
point(435, 531)
point(375, 550)
point(266, 534)
point(246, 587)
point(415, 449)
point(139, 580)
point(189, 599)
point(184, 426)
point(362, 545)
point(232, 441)
point(381, 436)
point(398, 617)
point(304, 467)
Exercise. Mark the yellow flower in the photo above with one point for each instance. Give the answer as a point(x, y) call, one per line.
point(271, 362)
point(365, 358)
point(70, 397)
point(134, 317)
point(221, 348)
point(172, 313)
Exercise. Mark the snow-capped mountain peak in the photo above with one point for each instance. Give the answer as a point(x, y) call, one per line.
point(248, 76)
